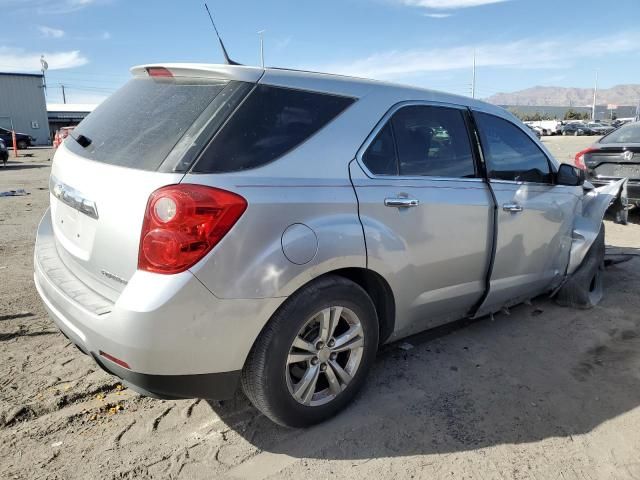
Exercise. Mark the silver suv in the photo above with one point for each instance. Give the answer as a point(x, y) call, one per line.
point(218, 226)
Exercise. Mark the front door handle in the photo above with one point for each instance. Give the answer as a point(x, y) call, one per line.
point(512, 207)
point(401, 202)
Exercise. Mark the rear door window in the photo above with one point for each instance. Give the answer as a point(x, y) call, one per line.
point(433, 141)
point(509, 153)
point(139, 125)
point(269, 123)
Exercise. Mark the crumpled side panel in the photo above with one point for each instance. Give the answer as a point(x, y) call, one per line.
point(587, 225)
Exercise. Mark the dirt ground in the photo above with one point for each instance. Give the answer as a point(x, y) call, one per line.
point(543, 393)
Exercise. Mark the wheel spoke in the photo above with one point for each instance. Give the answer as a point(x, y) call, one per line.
point(305, 389)
point(295, 357)
point(325, 325)
point(350, 345)
point(336, 313)
point(304, 345)
point(334, 384)
point(344, 339)
point(340, 372)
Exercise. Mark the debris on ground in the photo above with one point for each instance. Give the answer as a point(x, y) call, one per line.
point(14, 193)
point(406, 346)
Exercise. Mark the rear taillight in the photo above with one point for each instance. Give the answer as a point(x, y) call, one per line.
point(183, 223)
point(579, 160)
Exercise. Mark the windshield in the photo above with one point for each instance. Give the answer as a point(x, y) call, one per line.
point(626, 134)
point(139, 125)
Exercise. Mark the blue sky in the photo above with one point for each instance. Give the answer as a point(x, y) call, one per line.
point(90, 44)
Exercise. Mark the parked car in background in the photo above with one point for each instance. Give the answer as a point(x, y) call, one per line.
point(61, 134)
point(23, 141)
point(536, 130)
point(576, 128)
point(217, 226)
point(4, 153)
point(600, 128)
point(615, 156)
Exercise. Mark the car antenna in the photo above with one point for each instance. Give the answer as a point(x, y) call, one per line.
point(224, 50)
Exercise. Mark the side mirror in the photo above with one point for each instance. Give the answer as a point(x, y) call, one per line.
point(570, 175)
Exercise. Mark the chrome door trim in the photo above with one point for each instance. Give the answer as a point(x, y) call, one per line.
point(383, 121)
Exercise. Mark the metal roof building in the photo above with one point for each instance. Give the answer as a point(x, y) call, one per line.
point(23, 106)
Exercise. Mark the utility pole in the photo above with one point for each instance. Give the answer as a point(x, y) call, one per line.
point(473, 78)
point(44, 66)
point(595, 93)
point(64, 97)
point(261, 33)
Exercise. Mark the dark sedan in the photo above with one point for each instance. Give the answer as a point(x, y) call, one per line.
point(615, 156)
point(4, 153)
point(23, 140)
point(577, 129)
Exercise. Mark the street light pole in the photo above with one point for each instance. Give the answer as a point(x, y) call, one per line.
point(595, 93)
point(473, 78)
point(261, 33)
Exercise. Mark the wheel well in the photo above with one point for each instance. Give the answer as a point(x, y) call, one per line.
point(380, 292)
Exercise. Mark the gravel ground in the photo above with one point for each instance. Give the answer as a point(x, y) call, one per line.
point(545, 392)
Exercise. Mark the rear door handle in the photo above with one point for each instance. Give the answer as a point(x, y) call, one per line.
point(512, 207)
point(401, 202)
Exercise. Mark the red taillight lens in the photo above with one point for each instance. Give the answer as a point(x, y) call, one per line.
point(183, 223)
point(159, 72)
point(579, 160)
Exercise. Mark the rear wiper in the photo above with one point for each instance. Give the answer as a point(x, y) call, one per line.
point(82, 140)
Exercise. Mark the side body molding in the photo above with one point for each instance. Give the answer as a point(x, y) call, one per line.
point(587, 225)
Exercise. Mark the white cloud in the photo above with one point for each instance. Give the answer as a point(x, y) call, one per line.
point(528, 53)
point(49, 32)
point(448, 4)
point(18, 60)
point(437, 15)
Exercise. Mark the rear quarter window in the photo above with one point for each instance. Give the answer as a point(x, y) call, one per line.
point(269, 123)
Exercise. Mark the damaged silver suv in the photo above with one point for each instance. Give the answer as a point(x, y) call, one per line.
point(214, 227)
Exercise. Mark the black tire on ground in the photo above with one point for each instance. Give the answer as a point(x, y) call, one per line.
point(576, 133)
point(622, 216)
point(22, 145)
point(584, 289)
point(263, 377)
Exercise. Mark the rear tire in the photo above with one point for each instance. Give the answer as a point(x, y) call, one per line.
point(585, 288)
point(22, 145)
point(274, 380)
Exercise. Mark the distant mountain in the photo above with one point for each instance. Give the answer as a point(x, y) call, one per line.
point(575, 97)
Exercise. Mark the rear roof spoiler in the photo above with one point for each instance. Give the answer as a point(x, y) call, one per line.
point(198, 70)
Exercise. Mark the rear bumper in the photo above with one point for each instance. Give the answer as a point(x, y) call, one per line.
point(177, 338)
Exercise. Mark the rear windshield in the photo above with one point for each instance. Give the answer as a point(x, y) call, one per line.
point(139, 125)
point(625, 134)
point(269, 123)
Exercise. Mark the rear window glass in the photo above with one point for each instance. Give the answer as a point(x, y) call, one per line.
point(269, 123)
point(139, 125)
point(625, 134)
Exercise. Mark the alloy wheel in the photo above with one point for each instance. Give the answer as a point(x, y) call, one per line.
point(324, 356)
